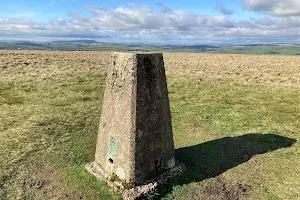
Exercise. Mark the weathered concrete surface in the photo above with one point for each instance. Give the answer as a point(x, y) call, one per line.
point(135, 141)
point(154, 148)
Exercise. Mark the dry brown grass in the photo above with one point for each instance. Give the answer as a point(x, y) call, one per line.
point(265, 70)
point(25, 65)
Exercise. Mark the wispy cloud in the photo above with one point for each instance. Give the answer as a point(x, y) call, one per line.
point(25, 15)
point(221, 8)
point(53, 2)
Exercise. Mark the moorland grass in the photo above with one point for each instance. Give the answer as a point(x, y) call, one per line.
point(237, 140)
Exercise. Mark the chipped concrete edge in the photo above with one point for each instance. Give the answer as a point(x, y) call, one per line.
point(138, 191)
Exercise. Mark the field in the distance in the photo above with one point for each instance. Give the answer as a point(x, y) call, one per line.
point(236, 124)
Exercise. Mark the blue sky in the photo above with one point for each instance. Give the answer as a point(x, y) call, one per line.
point(136, 21)
point(49, 9)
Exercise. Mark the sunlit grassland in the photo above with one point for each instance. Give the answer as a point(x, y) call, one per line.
point(239, 137)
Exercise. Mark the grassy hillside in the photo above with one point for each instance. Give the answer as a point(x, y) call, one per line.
point(91, 45)
point(262, 49)
point(235, 122)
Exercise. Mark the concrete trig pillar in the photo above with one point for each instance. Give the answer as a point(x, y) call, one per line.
point(135, 141)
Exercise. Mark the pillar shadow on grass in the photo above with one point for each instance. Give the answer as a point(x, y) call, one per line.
point(212, 158)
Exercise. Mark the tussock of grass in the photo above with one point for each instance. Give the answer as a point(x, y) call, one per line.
point(238, 137)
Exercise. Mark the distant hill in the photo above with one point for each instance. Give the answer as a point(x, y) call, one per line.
point(33, 44)
point(77, 41)
point(191, 47)
point(93, 45)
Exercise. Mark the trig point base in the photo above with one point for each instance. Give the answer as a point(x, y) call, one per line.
point(135, 149)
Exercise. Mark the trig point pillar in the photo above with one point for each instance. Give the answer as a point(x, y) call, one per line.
point(135, 141)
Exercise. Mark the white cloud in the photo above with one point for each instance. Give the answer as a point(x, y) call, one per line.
point(144, 17)
point(275, 7)
point(145, 24)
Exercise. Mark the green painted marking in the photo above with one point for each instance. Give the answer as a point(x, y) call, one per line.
point(113, 146)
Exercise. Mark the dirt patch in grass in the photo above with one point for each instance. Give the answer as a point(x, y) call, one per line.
point(221, 188)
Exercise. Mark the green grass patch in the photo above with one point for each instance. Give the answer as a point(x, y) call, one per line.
point(237, 141)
